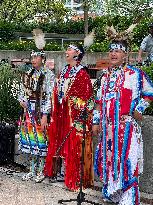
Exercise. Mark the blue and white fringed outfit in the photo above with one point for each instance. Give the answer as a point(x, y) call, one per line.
point(119, 155)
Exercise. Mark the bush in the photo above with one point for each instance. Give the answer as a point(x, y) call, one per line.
point(9, 84)
point(7, 31)
point(100, 46)
point(149, 71)
point(72, 27)
point(28, 46)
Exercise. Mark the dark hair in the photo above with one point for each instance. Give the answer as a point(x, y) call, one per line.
point(80, 56)
point(37, 92)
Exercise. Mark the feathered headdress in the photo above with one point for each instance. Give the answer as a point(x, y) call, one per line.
point(39, 38)
point(88, 41)
point(123, 37)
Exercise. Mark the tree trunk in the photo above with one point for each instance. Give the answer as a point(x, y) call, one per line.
point(86, 8)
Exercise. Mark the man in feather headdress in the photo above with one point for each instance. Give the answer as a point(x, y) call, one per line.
point(35, 98)
point(72, 95)
point(124, 94)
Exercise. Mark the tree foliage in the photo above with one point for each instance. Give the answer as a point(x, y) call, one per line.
point(20, 10)
point(96, 6)
point(130, 8)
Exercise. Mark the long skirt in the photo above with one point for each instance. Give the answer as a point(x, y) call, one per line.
point(32, 139)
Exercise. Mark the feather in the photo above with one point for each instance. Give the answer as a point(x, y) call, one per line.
point(88, 40)
point(130, 29)
point(39, 38)
point(113, 35)
point(111, 32)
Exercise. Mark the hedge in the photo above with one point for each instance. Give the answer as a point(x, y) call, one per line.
point(149, 71)
point(8, 29)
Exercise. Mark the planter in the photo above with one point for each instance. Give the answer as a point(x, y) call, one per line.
point(7, 139)
point(146, 179)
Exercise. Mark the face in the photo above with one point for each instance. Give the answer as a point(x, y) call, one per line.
point(36, 62)
point(116, 57)
point(70, 53)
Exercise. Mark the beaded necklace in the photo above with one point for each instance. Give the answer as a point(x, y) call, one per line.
point(64, 82)
point(114, 81)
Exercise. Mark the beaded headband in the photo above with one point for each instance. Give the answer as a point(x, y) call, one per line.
point(117, 46)
point(74, 47)
point(38, 53)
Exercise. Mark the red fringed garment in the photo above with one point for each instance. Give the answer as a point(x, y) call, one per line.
point(69, 101)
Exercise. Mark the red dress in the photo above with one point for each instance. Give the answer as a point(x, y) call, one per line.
point(73, 93)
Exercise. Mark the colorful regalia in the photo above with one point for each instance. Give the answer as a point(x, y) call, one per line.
point(32, 139)
point(72, 94)
point(119, 157)
point(35, 98)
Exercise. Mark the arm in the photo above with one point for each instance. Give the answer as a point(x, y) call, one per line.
point(22, 97)
point(96, 114)
point(140, 108)
point(49, 85)
point(96, 120)
point(143, 48)
point(146, 97)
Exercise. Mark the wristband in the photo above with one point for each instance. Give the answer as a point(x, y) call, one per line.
point(141, 106)
point(96, 117)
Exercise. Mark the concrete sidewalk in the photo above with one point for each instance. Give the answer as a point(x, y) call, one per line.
point(14, 191)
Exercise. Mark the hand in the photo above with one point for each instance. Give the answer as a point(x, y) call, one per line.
point(23, 104)
point(44, 123)
point(137, 116)
point(95, 130)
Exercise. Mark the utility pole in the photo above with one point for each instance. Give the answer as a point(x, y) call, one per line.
point(86, 9)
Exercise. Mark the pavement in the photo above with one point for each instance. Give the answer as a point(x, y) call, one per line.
point(14, 191)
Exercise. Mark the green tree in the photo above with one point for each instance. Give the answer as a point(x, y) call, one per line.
point(17, 10)
point(133, 9)
point(97, 6)
point(21, 10)
point(53, 9)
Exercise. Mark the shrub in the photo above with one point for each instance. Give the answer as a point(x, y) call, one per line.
point(100, 46)
point(7, 31)
point(28, 46)
point(9, 84)
point(149, 71)
point(73, 27)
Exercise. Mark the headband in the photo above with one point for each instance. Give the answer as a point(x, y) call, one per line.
point(74, 47)
point(118, 46)
point(38, 53)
